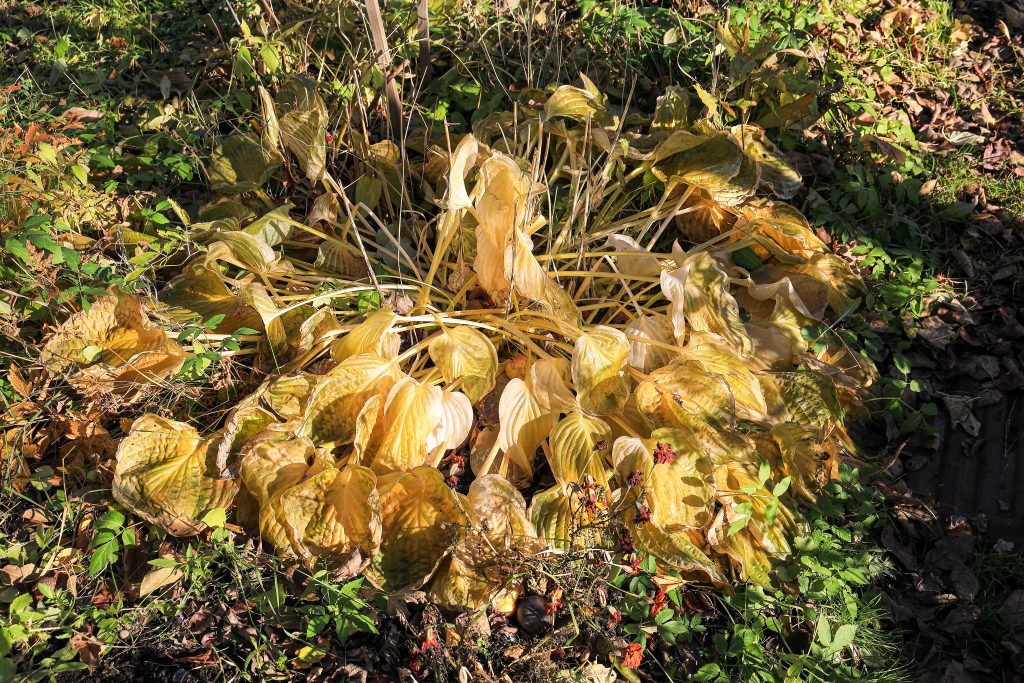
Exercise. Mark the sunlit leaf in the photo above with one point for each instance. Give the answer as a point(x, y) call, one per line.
point(409, 425)
point(488, 550)
point(599, 370)
point(671, 111)
point(244, 422)
point(574, 103)
point(373, 335)
point(334, 513)
point(302, 117)
point(338, 398)
point(268, 469)
point(165, 473)
point(548, 380)
point(200, 294)
point(632, 259)
point(420, 516)
point(651, 342)
point(464, 353)
point(775, 169)
point(700, 298)
point(524, 424)
point(717, 357)
point(579, 447)
point(114, 344)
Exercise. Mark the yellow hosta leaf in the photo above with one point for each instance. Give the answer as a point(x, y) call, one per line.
point(456, 423)
point(701, 301)
point(806, 458)
point(648, 336)
point(267, 470)
point(810, 397)
point(165, 473)
point(243, 250)
point(564, 521)
point(778, 338)
point(409, 425)
point(717, 357)
point(501, 208)
point(672, 109)
point(465, 353)
point(158, 578)
point(241, 163)
point(684, 392)
point(734, 482)
point(579, 447)
point(146, 368)
point(500, 530)
point(420, 518)
point(751, 561)
point(823, 281)
point(499, 510)
point(200, 293)
point(334, 513)
point(244, 422)
point(374, 335)
point(668, 475)
point(275, 342)
point(713, 164)
point(631, 258)
point(463, 159)
point(523, 423)
point(460, 586)
point(574, 103)
point(599, 370)
point(775, 169)
point(504, 252)
point(340, 396)
point(675, 550)
point(548, 380)
point(273, 227)
point(302, 117)
point(115, 343)
point(287, 396)
point(783, 225)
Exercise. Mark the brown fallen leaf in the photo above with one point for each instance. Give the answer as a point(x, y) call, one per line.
point(81, 115)
point(88, 648)
point(959, 409)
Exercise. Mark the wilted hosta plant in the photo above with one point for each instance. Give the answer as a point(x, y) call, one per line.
point(534, 336)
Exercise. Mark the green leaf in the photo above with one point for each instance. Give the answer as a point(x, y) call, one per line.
point(708, 672)
point(103, 556)
point(19, 603)
point(843, 637)
point(824, 635)
point(81, 172)
point(746, 258)
point(781, 487)
point(164, 563)
point(902, 364)
point(368, 300)
point(215, 518)
point(17, 248)
point(112, 520)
